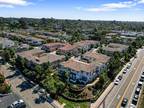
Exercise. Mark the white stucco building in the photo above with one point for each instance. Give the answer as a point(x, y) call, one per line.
point(80, 72)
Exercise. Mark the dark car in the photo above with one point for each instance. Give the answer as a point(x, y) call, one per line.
point(124, 102)
point(134, 101)
point(120, 77)
point(143, 73)
point(142, 79)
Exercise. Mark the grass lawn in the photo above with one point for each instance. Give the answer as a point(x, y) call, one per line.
point(70, 104)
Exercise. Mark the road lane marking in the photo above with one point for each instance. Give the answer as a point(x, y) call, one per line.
point(118, 97)
point(119, 103)
point(129, 103)
point(127, 75)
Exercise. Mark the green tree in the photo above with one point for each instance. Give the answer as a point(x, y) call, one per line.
point(76, 37)
point(23, 23)
point(2, 79)
point(20, 63)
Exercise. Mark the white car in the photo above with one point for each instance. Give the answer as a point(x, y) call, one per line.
point(128, 66)
point(140, 83)
point(18, 104)
point(132, 106)
point(142, 76)
point(116, 82)
point(138, 90)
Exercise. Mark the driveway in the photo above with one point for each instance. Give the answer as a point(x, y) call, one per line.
point(23, 88)
point(8, 100)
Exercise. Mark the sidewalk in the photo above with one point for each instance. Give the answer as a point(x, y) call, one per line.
point(102, 97)
point(100, 100)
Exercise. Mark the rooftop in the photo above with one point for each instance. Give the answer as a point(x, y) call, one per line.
point(34, 38)
point(16, 34)
point(6, 42)
point(67, 47)
point(79, 65)
point(24, 36)
point(115, 47)
point(54, 44)
point(39, 56)
point(112, 34)
point(101, 58)
point(85, 42)
point(78, 44)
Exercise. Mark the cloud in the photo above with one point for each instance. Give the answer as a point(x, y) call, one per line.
point(6, 6)
point(119, 5)
point(114, 6)
point(12, 3)
point(140, 1)
point(102, 9)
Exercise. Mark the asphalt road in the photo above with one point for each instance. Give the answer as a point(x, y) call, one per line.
point(8, 100)
point(131, 87)
point(23, 88)
point(127, 85)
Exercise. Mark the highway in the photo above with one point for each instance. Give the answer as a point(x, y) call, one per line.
point(127, 85)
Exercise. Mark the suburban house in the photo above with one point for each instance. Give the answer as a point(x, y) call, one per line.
point(14, 35)
point(68, 49)
point(6, 43)
point(112, 34)
point(129, 33)
point(94, 56)
point(127, 40)
point(79, 71)
point(77, 47)
point(34, 41)
point(126, 33)
point(39, 57)
point(24, 38)
point(23, 47)
point(114, 47)
point(52, 46)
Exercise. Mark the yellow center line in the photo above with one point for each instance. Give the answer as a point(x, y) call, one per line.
point(119, 104)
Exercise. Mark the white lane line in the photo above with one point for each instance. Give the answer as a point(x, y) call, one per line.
point(121, 85)
point(136, 83)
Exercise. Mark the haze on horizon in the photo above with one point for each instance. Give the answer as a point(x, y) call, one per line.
point(121, 10)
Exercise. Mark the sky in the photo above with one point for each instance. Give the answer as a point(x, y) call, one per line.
point(120, 10)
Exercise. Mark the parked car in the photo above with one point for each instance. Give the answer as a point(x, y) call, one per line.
point(142, 79)
point(125, 71)
point(142, 76)
point(134, 101)
point(138, 89)
point(124, 102)
point(140, 83)
point(120, 77)
point(18, 104)
point(136, 96)
point(116, 82)
point(132, 106)
point(36, 89)
point(128, 66)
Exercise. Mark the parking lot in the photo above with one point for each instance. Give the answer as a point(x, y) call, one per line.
point(23, 88)
point(8, 100)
